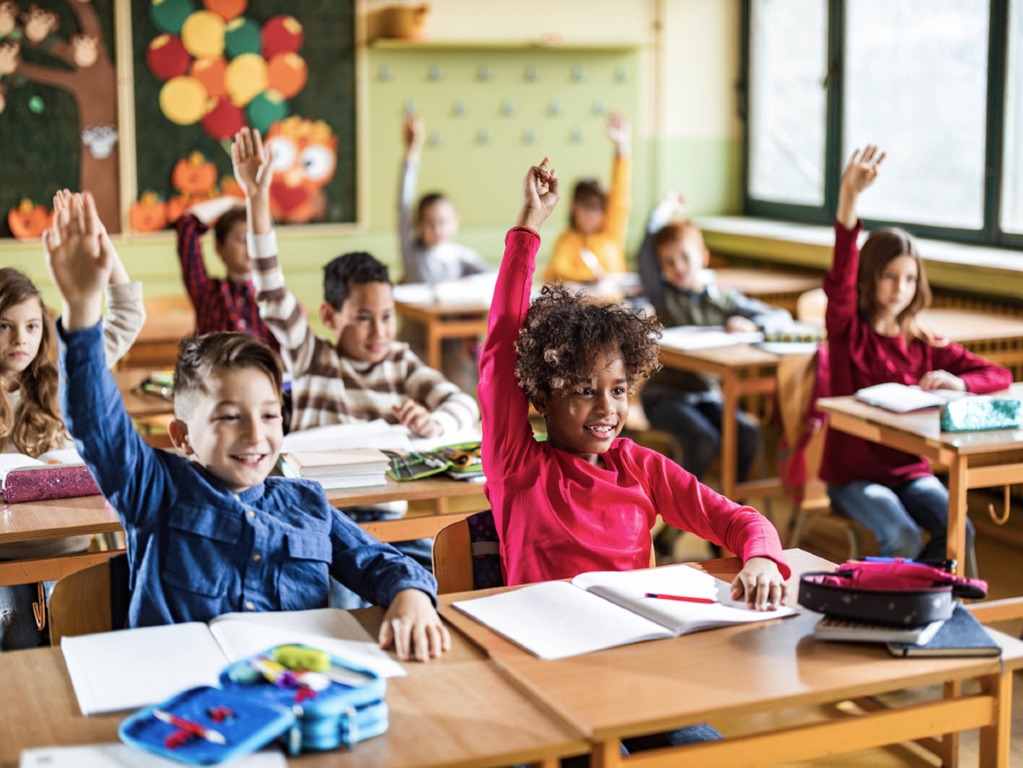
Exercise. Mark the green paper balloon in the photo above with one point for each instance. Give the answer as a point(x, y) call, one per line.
point(170, 15)
point(265, 109)
point(241, 36)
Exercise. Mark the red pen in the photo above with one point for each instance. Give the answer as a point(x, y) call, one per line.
point(190, 727)
point(682, 598)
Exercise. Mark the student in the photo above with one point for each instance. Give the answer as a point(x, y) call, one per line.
point(227, 304)
point(212, 533)
point(30, 417)
point(429, 253)
point(672, 264)
point(593, 246)
point(874, 296)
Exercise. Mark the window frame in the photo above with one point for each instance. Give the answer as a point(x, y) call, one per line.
point(990, 233)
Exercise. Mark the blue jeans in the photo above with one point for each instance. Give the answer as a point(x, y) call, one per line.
point(896, 515)
point(694, 419)
point(17, 621)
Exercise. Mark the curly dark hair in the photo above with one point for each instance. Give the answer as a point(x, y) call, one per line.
point(564, 333)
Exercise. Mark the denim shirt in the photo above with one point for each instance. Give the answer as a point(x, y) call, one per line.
point(196, 549)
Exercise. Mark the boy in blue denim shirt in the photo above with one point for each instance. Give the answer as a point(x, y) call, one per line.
point(212, 533)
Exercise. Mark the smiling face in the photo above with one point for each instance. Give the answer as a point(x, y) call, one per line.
point(587, 418)
point(365, 325)
point(21, 333)
point(234, 430)
point(896, 286)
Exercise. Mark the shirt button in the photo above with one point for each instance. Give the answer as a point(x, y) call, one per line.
point(251, 514)
point(257, 557)
point(250, 606)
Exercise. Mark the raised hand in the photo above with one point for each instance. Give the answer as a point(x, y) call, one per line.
point(413, 134)
point(619, 131)
point(539, 195)
point(859, 174)
point(252, 163)
point(79, 263)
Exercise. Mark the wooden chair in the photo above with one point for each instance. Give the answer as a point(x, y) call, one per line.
point(94, 599)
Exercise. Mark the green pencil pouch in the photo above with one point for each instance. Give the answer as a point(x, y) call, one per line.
point(969, 414)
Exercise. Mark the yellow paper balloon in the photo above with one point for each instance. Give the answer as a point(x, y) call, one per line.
point(183, 100)
point(245, 77)
point(203, 34)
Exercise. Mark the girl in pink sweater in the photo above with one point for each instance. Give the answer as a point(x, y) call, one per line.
point(585, 499)
point(873, 338)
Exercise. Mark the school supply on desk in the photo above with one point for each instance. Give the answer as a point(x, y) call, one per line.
point(56, 474)
point(352, 468)
point(605, 609)
point(960, 635)
point(692, 337)
point(122, 756)
point(794, 339)
point(833, 628)
point(159, 383)
point(891, 591)
point(461, 461)
point(115, 671)
point(342, 437)
point(900, 398)
point(301, 696)
point(976, 413)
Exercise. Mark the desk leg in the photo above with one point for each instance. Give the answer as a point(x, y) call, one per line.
point(994, 739)
point(729, 433)
point(947, 748)
point(606, 754)
point(433, 344)
point(956, 545)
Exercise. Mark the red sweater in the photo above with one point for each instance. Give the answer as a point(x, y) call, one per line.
point(860, 357)
point(558, 515)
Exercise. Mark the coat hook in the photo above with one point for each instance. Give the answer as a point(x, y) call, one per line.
point(1003, 518)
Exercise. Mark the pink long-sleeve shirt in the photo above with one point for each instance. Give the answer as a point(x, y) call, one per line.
point(860, 357)
point(558, 515)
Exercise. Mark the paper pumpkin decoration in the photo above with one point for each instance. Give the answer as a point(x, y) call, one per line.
point(282, 34)
point(194, 175)
point(167, 57)
point(28, 220)
point(148, 213)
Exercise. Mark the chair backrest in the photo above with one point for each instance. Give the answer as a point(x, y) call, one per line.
point(94, 599)
point(801, 380)
point(467, 555)
point(811, 306)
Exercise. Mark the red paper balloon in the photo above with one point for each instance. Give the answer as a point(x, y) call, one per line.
point(282, 34)
point(224, 120)
point(167, 57)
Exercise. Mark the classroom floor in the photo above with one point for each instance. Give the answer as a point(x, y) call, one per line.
point(1000, 562)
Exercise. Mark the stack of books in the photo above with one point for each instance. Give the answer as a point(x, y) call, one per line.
point(960, 635)
point(351, 468)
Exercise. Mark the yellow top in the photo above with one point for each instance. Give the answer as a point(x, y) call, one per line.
point(607, 244)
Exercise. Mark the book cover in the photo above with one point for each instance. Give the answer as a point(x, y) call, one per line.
point(961, 635)
point(132, 668)
point(354, 461)
point(605, 609)
point(901, 398)
point(833, 628)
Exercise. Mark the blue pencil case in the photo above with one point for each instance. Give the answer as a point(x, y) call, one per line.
point(300, 696)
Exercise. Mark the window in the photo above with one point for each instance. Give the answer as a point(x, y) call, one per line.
point(936, 83)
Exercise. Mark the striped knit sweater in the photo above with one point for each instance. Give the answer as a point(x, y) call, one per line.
point(330, 389)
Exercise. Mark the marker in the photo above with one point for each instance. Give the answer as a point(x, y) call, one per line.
point(682, 598)
point(190, 727)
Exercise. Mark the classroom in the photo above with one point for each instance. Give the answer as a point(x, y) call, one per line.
point(763, 134)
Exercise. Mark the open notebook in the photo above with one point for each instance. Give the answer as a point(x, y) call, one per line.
point(604, 609)
point(901, 398)
point(131, 668)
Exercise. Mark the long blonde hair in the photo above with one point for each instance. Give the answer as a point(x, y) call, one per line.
point(36, 427)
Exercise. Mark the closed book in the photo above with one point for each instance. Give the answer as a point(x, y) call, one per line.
point(901, 398)
point(961, 635)
point(853, 630)
point(333, 463)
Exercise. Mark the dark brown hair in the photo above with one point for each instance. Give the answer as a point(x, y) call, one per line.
point(882, 247)
point(565, 332)
point(675, 232)
point(37, 426)
point(586, 190)
point(226, 223)
point(200, 357)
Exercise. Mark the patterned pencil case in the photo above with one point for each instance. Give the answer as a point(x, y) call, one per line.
point(300, 696)
point(979, 413)
point(57, 481)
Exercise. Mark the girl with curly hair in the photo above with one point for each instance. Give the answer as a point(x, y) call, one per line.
point(585, 499)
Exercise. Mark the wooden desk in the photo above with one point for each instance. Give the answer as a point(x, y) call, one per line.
point(168, 320)
point(743, 370)
point(456, 711)
point(974, 459)
point(772, 286)
point(999, 338)
point(54, 519)
point(445, 321)
point(765, 667)
point(413, 526)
